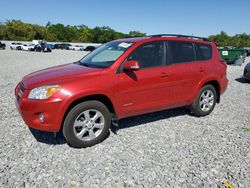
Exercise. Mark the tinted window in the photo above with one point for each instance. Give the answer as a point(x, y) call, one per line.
point(149, 55)
point(205, 51)
point(181, 51)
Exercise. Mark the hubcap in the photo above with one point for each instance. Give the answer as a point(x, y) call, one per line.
point(206, 101)
point(89, 125)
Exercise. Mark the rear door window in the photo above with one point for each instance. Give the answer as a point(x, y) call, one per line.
point(181, 52)
point(204, 51)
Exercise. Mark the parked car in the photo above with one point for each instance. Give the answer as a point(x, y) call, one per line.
point(90, 48)
point(62, 46)
point(28, 47)
point(16, 46)
point(51, 46)
point(78, 47)
point(2, 46)
point(246, 73)
point(42, 47)
point(247, 51)
point(122, 78)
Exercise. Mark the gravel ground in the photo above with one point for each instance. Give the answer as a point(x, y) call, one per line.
point(165, 149)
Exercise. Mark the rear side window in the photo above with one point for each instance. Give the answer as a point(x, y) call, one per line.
point(181, 52)
point(205, 51)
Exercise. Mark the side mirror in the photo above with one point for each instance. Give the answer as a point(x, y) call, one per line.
point(131, 65)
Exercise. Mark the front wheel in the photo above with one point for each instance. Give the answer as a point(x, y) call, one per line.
point(87, 124)
point(205, 101)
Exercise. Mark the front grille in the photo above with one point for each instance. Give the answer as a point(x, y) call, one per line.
point(18, 99)
point(22, 88)
point(19, 92)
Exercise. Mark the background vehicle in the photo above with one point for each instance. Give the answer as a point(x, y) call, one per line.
point(51, 46)
point(16, 46)
point(90, 48)
point(232, 55)
point(246, 73)
point(42, 47)
point(123, 78)
point(28, 47)
point(247, 51)
point(77, 47)
point(62, 46)
point(2, 46)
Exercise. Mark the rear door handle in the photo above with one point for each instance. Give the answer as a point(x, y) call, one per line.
point(202, 69)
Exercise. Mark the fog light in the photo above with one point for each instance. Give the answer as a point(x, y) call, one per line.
point(41, 117)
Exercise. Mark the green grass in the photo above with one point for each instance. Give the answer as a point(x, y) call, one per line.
point(246, 129)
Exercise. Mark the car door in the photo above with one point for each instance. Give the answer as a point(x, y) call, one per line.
point(183, 76)
point(144, 90)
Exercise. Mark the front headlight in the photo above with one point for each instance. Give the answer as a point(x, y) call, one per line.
point(44, 92)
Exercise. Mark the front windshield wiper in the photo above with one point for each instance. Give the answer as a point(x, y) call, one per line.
point(77, 62)
point(90, 65)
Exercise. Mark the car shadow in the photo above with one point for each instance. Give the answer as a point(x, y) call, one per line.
point(242, 80)
point(148, 118)
point(58, 138)
point(48, 137)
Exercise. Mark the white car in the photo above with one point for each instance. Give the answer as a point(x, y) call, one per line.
point(78, 48)
point(16, 46)
point(28, 47)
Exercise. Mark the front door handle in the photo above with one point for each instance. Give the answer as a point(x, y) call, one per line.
point(164, 75)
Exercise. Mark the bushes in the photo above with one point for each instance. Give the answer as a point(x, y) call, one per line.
point(239, 40)
point(18, 30)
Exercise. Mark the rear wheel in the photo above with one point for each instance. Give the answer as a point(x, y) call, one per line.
point(87, 124)
point(205, 101)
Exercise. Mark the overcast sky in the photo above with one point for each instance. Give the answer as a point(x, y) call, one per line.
point(195, 17)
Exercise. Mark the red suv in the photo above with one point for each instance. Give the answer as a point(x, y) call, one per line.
point(122, 78)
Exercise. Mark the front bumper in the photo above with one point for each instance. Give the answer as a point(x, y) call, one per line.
point(30, 111)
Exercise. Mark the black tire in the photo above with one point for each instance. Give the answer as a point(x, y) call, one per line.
point(196, 106)
point(68, 125)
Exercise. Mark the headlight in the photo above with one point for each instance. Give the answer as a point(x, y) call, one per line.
point(44, 92)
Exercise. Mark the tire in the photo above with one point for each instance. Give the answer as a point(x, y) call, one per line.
point(205, 101)
point(87, 124)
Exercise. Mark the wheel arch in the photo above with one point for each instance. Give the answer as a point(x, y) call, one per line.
point(97, 97)
point(216, 85)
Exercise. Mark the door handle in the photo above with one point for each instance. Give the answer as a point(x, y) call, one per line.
point(164, 75)
point(202, 69)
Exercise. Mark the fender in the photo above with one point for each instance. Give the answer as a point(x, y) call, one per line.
point(82, 94)
point(203, 82)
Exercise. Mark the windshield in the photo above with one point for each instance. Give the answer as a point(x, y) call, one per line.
point(105, 55)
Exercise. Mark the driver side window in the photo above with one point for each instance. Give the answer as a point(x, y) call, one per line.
point(149, 55)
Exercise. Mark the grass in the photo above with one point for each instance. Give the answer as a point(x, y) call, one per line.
point(246, 129)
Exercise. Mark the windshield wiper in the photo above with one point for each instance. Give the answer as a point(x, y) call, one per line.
point(90, 65)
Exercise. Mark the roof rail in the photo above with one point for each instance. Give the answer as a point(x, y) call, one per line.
point(180, 36)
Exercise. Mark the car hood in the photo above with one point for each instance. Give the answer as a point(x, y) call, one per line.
point(57, 75)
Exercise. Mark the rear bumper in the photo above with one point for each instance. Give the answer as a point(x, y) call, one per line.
point(223, 85)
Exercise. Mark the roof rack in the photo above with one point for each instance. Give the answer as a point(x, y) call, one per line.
point(180, 36)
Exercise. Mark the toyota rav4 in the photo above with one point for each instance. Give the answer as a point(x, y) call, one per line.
point(122, 78)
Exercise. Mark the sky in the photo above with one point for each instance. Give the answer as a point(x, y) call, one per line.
point(190, 17)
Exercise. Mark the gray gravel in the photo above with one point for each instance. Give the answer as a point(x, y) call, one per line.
point(164, 149)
